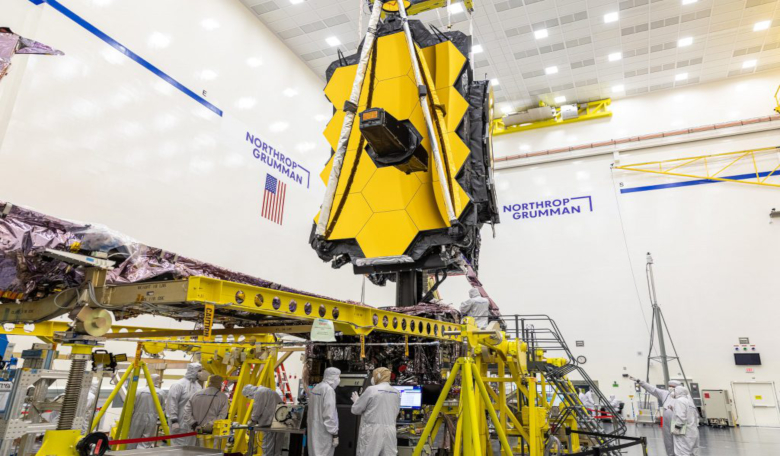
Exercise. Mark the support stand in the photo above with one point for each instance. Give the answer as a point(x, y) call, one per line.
point(472, 412)
point(123, 426)
point(657, 332)
point(255, 372)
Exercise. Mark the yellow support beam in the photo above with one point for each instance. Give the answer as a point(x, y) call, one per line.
point(46, 330)
point(351, 319)
point(777, 100)
point(586, 111)
point(421, 7)
point(711, 167)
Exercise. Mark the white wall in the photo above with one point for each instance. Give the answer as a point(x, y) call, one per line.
point(714, 246)
point(111, 143)
point(93, 136)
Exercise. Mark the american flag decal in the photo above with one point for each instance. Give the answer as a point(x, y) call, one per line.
point(273, 199)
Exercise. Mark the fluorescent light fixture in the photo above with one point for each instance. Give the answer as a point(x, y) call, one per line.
point(494, 82)
point(332, 41)
point(477, 49)
point(159, 40)
point(611, 17)
point(456, 8)
point(246, 103)
point(688, 2)
point(687, 41)
point(507, 109)
point(209, 24)
point(290, 92)
point(551, 70)
point(763, 25)
point(305, 146)
point(539, 34)
point(254, 62)
point(618, 88)
point(748, 64)
point(525, 147)
point(615, 56)
point(681, 77)
point(208, 75)
point(277, 127)
point(560, 99)
point(296, 2)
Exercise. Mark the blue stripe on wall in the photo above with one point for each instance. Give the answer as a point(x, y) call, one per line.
point(132, 55)
point(694, 182)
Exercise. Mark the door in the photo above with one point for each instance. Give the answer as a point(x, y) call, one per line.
point(756, 404)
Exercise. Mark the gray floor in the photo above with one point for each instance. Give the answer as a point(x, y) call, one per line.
point(744, 441)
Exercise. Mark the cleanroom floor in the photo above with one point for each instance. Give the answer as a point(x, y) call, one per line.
point(740, 441)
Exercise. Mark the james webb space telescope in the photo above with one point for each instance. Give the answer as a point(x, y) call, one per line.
point(410, 178)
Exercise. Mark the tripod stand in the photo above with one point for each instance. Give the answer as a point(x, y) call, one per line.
point(657, 332)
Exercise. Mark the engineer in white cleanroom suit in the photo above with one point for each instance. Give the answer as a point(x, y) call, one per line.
point(685, 424)
point(178, 396)
point(144, 421)
point(590, 402)
point(206, 406)
point(664, 401)
point(379, 406)
point(263, 409)
point(477, 307)
point(323, 419)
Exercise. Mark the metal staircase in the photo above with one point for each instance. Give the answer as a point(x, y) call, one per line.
point(540, 332)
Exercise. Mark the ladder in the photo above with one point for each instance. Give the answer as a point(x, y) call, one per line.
point(572, 406)
point(284, 384)
point(542, 333)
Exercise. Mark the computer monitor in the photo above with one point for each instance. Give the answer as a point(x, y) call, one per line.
point(411, 397)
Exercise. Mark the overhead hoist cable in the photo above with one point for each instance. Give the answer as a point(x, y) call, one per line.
point(361, 145)
point(435, 151)
point(350, 110)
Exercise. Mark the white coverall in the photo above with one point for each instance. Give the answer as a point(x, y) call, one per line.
point(590, 402)
point(685, 414)
point(323, 419)
point(379, 406)
point(614, 403)
point(264, 405)
point(477, 307)
point(178, 396)
point(206, 406)
point(144, 421)
point(664, 401)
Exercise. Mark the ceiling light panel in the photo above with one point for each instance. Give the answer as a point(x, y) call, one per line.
point(576, 55)
point(611, 17)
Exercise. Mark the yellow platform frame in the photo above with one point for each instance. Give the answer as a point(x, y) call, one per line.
point(484, 348)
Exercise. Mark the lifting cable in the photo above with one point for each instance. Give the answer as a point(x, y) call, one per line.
point(437, 109)
point(361, 144)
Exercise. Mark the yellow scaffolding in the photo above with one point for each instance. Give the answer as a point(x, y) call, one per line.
point(482, 396)
point(712, 165)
